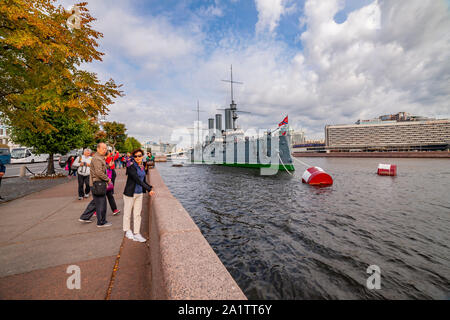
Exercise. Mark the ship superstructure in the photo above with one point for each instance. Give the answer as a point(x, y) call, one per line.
point(231, 146)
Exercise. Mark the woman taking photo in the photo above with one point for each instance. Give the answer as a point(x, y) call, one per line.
point(133, 194)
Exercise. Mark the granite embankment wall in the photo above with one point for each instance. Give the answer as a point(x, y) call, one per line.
point(182, 263)
point(428, 154)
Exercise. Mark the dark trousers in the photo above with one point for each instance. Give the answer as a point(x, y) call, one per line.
point(110, 194)
point(83, 185)
point(113, 177)
point(98, 204)
point(0, 182)
point(111, 200)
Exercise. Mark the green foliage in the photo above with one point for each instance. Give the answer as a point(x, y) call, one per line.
point(131, 144)
point(69, 134)
point(115, 133)
point(39, 65)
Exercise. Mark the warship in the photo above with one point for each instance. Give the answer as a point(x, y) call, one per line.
point(231, 146)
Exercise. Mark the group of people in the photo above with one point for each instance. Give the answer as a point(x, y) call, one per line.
point(97, 175)
point(2, 173)
point(119, 160)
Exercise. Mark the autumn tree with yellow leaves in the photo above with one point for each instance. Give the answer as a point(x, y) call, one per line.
point(40, 75)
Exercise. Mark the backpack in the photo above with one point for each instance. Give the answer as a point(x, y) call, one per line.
point(75, 166)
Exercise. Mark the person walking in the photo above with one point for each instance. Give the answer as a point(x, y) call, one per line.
point(70, 167)
point(128, 159)
point(133, 194)
point(2, 173)
point(99, 182)
point(124, 161)
point(146, 163)
point(111, 172)
point(152, 160)
point(111, 164)
point(83, 163)
point(116, 159)
point(119, 161)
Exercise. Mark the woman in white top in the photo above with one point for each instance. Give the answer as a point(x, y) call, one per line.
point(83, 162)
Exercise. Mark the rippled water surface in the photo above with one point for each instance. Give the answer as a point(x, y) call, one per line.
point(281, 239)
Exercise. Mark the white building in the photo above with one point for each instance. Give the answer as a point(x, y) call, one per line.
point(4, 137)
point(297, 137)
point(160, 148)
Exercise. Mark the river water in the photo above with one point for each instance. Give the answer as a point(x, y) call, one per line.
point(281, 239)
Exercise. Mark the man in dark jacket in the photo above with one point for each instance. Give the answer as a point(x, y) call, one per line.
point(2, 173)
point(98, 204)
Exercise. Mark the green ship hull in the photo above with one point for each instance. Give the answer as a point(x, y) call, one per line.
point(289, 167)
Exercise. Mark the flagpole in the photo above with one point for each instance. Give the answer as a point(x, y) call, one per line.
point(275, 130)
point(279, 126)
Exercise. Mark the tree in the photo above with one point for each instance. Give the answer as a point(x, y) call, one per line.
point(100, 136)
point(69, 134)
point(131, 144)
point(39, 66)
point(115, 133)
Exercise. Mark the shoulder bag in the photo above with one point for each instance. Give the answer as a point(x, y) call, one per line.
point(99, 188)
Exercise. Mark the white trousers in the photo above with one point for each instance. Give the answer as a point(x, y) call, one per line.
point(134, 203)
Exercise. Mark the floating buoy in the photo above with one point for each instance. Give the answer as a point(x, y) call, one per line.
point(315, 176)
point(387, 169)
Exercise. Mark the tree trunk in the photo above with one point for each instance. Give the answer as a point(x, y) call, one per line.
point(50, 165)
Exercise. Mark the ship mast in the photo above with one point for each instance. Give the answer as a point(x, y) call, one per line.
point(233, 105)
point(198, 121)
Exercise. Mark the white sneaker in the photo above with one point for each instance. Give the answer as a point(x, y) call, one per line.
point(129, 235)
point(139, 238)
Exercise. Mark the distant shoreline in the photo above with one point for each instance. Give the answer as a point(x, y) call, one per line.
point(400, 154)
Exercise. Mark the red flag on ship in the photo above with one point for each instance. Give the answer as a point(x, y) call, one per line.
point(283, 123)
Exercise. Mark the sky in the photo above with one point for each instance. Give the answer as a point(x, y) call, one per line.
point(320, 62)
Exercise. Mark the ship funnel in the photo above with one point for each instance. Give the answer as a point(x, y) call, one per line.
point(211, 129)
point(228, 119)
point(219, 122)
point(210, 123)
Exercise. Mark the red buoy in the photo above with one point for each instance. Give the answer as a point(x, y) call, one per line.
point(315, 176)
point(387, 169)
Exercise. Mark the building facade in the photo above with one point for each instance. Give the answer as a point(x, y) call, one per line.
point(5, 138)
point(159, 148)
point(389, 135)
point(297, 137)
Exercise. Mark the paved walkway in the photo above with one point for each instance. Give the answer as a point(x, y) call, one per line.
point(40, 236)
point(15, 188)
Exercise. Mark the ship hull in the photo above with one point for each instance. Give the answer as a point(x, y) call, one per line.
point(289, 167)
point(271, 152)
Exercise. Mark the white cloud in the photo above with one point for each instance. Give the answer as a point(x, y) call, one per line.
point(215, 10)
point(270, 12)
point(388, 56)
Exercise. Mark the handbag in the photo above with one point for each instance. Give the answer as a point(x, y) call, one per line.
point(110, 187)
point(99, 188)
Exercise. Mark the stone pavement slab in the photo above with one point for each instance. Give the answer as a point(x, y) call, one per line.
point(14, 188)
point(40, 236)
point(132, 280)
point(50, 283)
